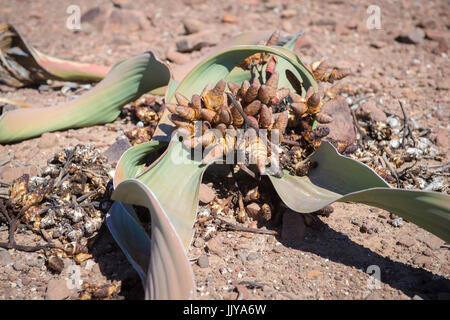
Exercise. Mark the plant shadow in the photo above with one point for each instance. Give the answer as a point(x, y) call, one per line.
point(114, 266)
point(338, 247)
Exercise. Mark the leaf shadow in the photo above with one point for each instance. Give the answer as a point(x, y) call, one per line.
point(114, 266)
point(338, 247)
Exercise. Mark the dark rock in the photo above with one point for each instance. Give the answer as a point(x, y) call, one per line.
point(115, 151)
point(55, 263)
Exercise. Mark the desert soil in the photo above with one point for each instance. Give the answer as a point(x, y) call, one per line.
point(406, 59)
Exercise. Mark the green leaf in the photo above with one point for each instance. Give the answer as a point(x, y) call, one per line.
point(21, 64)
point(125, 83)
point(169, 189)
point(220, 65)
point(338, 178)
point(162, 262)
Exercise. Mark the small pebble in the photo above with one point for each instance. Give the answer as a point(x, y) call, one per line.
point(253, 256)
point(5, 259)
point(199, 243)
point(241, 257)
point(19, 266)
point(203, 262)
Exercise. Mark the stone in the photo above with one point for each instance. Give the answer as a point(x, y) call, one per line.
point(177, 57)
point(215, 247)
point(253, 256)
point(427, 24)
point(91, 15)
point(369, 110)
point(437, 35)
point(203, 261)
point(48, 140)
point(415, 36)
point(5, 258)
point(432, 242)
point(406, 241)
point(57, 290)
point(125, 21)
point(19, 266)
point(288, 13)
point(115, 151)
point(294, 227)
point(422, 261)
point(55, 264)
point(197, 41)
point(442, 138)
point(253, 209)
point(206, 194)
point(377, 44)
point(193, 26)
point(228, 18)
point(341, 128)
point(125, 4)
point(241, 256)
point(199, 243)
point(301, 43)
point(368, 227)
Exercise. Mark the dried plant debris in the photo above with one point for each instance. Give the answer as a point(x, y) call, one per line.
point(288, 116)
point(241, 204)
point(145, 112)
point(91, 291)
point(65, 205)
point(400, 153)
point(238, 199)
